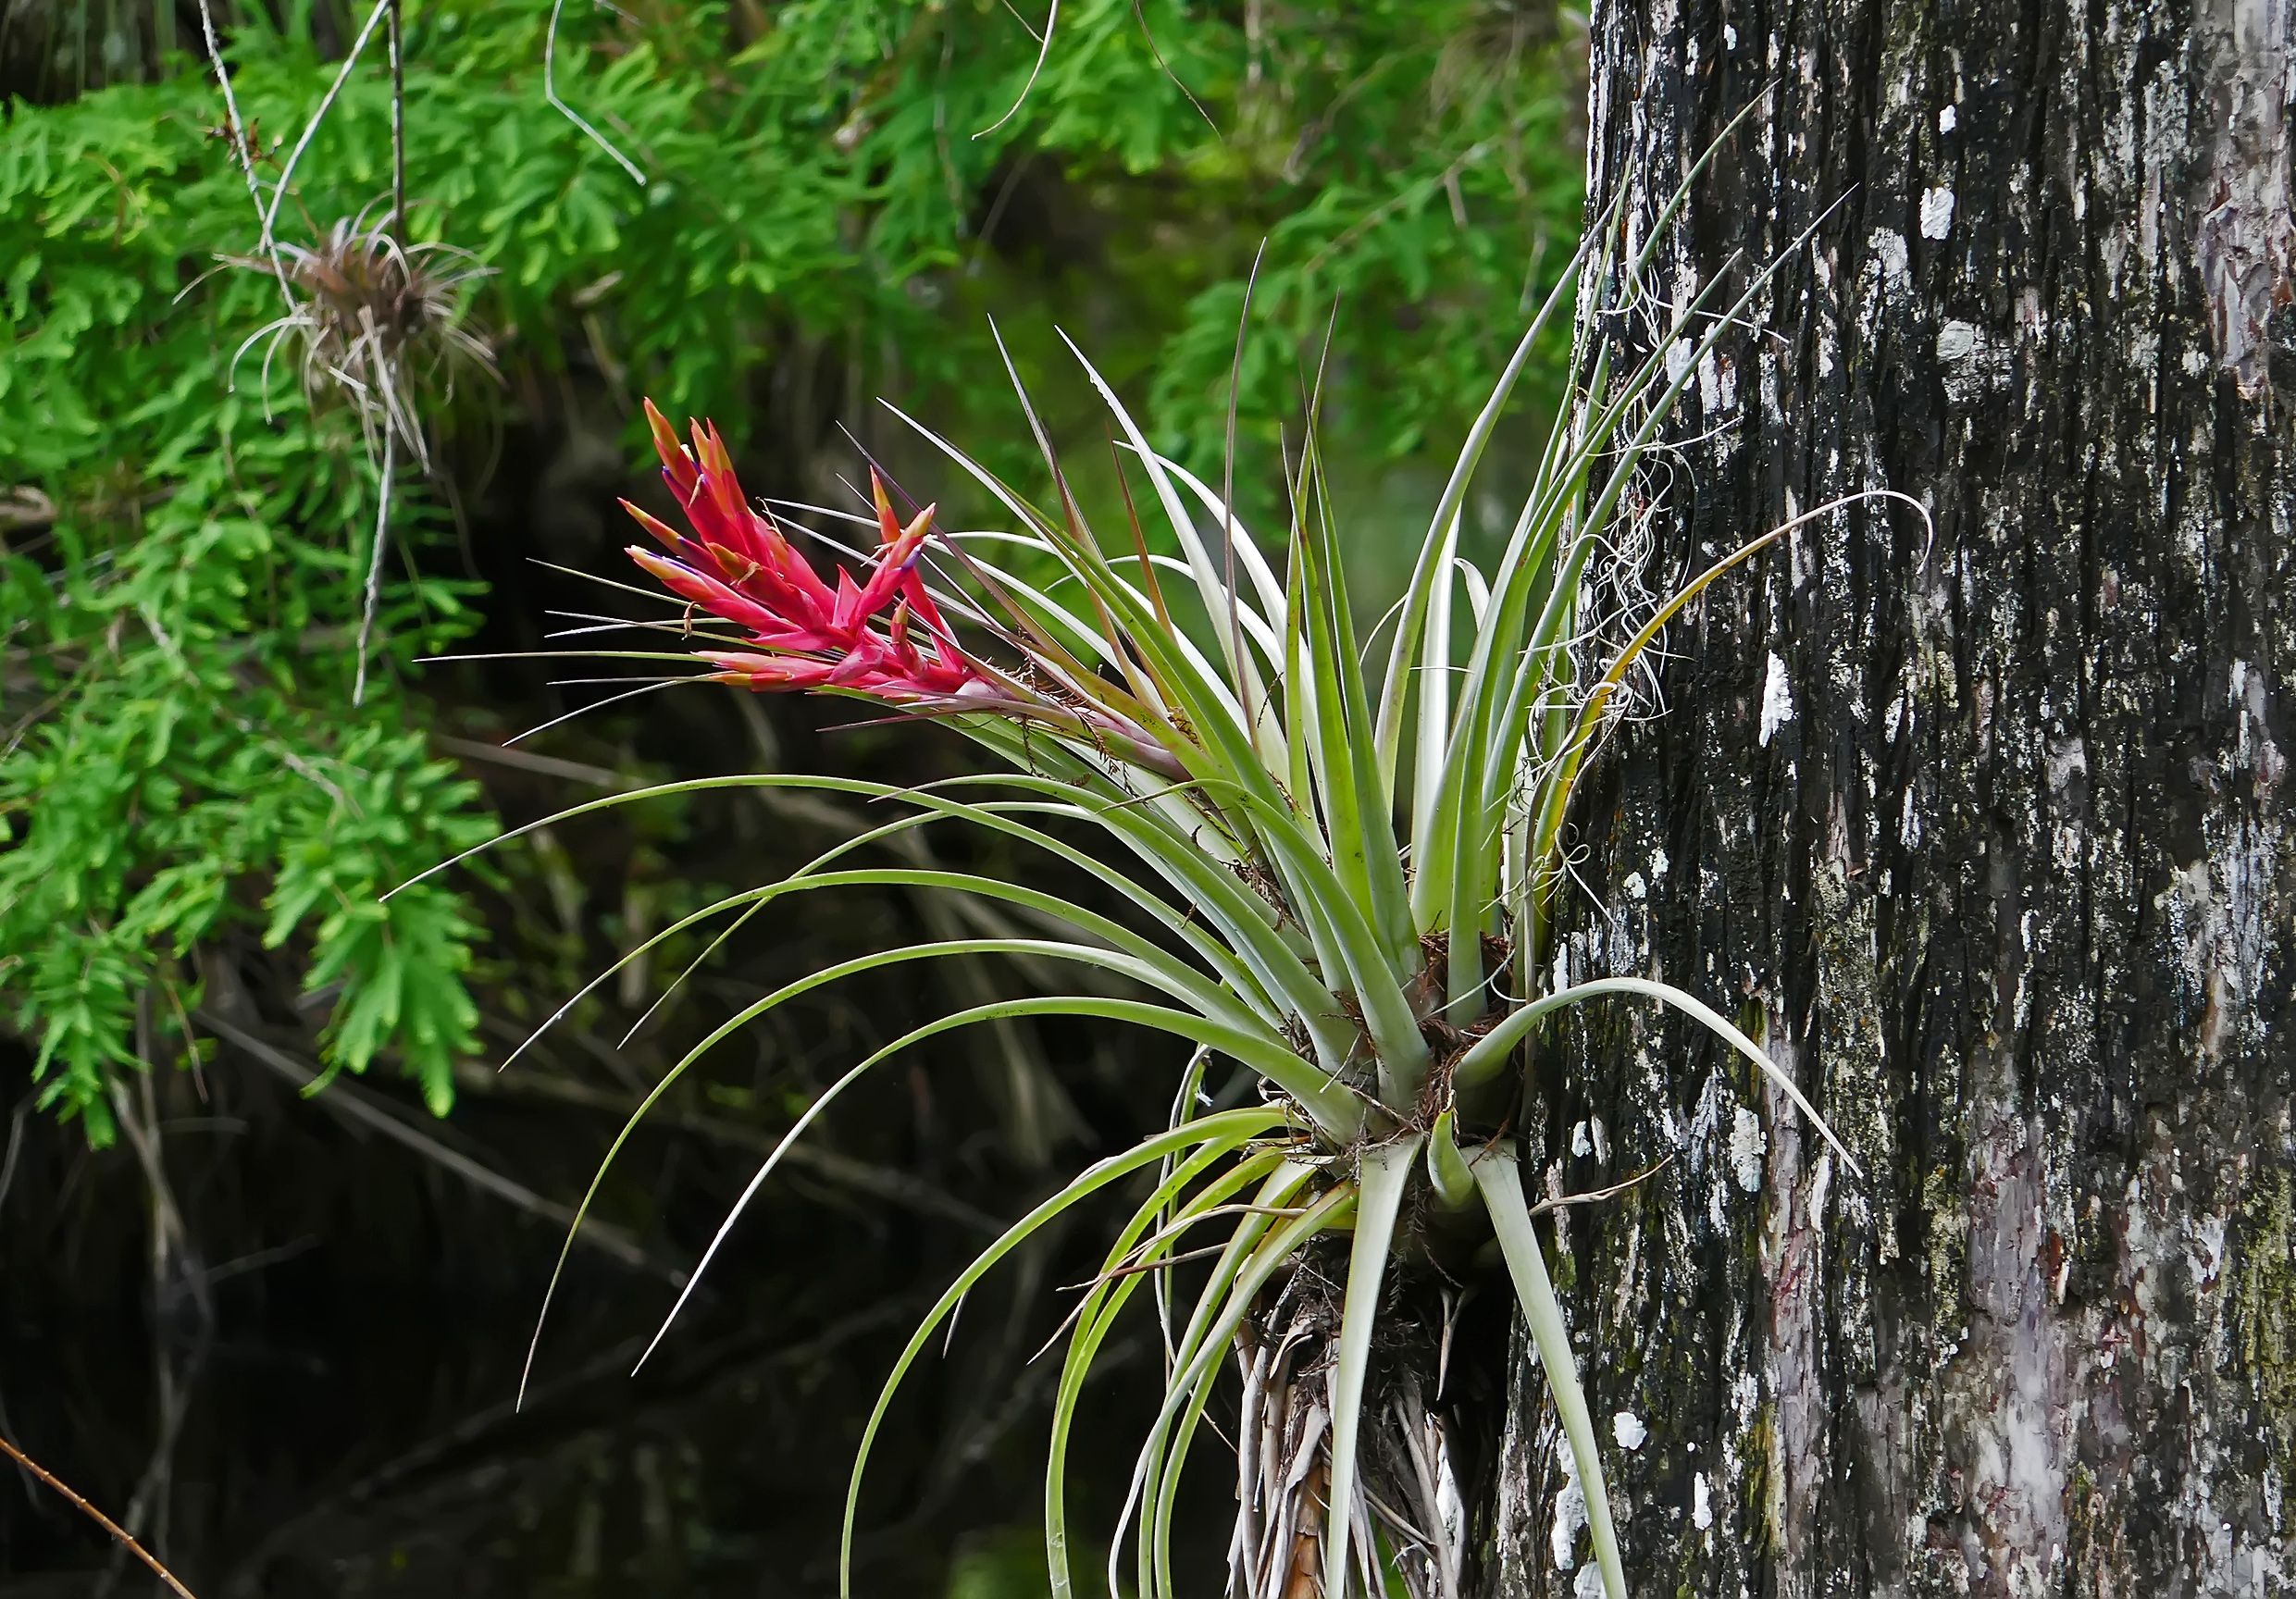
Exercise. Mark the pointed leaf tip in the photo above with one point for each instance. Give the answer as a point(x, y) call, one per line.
point(710, 450)
point(654, 525)
point(667, 571)
point(889, 525)
point(677, 464)
point(1447, 1170)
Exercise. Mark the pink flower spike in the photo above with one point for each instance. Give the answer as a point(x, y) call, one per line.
point(855, 632)
point(677, 465)
point(889, 525)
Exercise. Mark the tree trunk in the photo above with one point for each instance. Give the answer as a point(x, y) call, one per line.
point(1987, 826)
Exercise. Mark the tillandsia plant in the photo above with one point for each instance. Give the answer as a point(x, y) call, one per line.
point(1345, 883)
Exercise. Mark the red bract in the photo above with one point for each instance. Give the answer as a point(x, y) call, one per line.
point(884, 637)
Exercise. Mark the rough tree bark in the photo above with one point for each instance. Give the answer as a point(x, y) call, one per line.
point(1991, 833)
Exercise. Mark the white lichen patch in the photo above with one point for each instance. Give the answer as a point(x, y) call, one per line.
point(1971, 362)
point(1748, 1145)
point(1678, 358)
point(1937, 212)
point(1956, 341)
point(1821, 1184)
point(1562, 1538)
point(1628, 1429)
point(1777, 700)
point(1718, 384)
point(1890, 253)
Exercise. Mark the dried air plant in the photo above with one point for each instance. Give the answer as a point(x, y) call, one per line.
point(380, 324)
point(381, 327)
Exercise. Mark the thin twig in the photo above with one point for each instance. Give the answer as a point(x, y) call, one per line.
point(138, 1115)
point(524, 761)
point(16, 1140)
point(1044, 48)
point(398, 120)
point(310, 128)
point(374, 563)
point(842, 1170)
point(119, 1532)
point(1139, 12)
point(240, 137)
point(347, 1100)
point(1593, 1195)
point(550, 92)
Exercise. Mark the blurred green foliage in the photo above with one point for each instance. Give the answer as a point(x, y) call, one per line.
point(184, 525)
